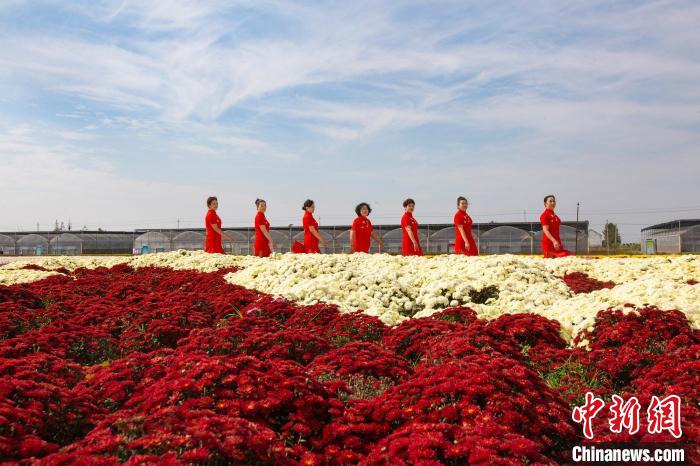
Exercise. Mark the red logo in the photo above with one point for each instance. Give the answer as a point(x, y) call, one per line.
point(625, 414)
point(585, 414)
point(665, 415)
point(662, 415)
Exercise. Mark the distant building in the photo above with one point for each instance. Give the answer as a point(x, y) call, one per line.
point(491, 238)
point(62, 242)
point(672, 237)
point(595, 239)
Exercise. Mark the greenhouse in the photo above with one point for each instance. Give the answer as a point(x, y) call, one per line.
point(98, 242)
point(330, 236)
point(568, 239)
point(672, 237)
point(282, 240)
point(325, 234)
point(505, 240)
point(443, 240)
point(66, 243)
point(7, 244)
point(152, 241)
point(595, 239)
point(393, 240)
point(242, 244)
point(32, 244)
point(189, 240)
point(342, 242)
point(690, 239)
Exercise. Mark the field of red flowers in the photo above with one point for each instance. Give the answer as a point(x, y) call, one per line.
point(156, 366)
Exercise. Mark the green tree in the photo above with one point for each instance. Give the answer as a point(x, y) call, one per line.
point(611, 236)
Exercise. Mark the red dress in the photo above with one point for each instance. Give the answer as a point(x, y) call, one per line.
point(261, 246)
point(407, 248)
point(462, 218)
point(550, 219)
point(212, 243)
point(310, 241)
point(363, 231)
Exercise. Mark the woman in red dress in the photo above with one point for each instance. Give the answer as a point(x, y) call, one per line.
point(410, 244)
point(212, 223)
point(362, 230)
point(311, 234)
point(551, 243)
point(263, 245)
point(464, 241)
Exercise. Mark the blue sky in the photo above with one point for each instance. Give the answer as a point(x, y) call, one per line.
point(124, 114)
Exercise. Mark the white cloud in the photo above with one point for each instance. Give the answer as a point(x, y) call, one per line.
point(197, 148)
point(84, 189)
point(193, 71)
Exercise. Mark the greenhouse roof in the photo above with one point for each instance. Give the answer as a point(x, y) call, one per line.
point(673, 224)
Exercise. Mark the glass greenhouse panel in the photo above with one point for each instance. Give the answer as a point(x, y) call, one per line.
point(7, 245)
point(568, 238)
point(66, 243)
point(189, 240)
point(242, 244)
point(505, 240)
point(443, 240)
point(393, 240)
point(152, 241)
point(690, 239)
point(32, 244)
point(282, 240)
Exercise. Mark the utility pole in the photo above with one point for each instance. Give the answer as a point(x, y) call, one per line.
point(576, 246)
point(178, 223)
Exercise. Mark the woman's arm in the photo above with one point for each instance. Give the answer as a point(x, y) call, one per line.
point(352, 240)
point(267, 235)
point(545, 230)
point(216, 228)
point(318, 236)
point(464, 236)
point(377, 238)
point(410, 235)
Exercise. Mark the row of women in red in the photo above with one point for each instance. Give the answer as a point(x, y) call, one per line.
point(263, 245)
point(362, 231)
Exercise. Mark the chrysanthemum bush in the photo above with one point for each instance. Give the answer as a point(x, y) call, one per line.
point(393, 288)
point(145, 365)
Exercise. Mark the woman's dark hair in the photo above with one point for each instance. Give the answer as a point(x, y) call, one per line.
point(307, 203)
point(548, 196)
point(258, 201)
point(359, 208)
point(462, 198)
point(408, 202)
point(211, 199)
